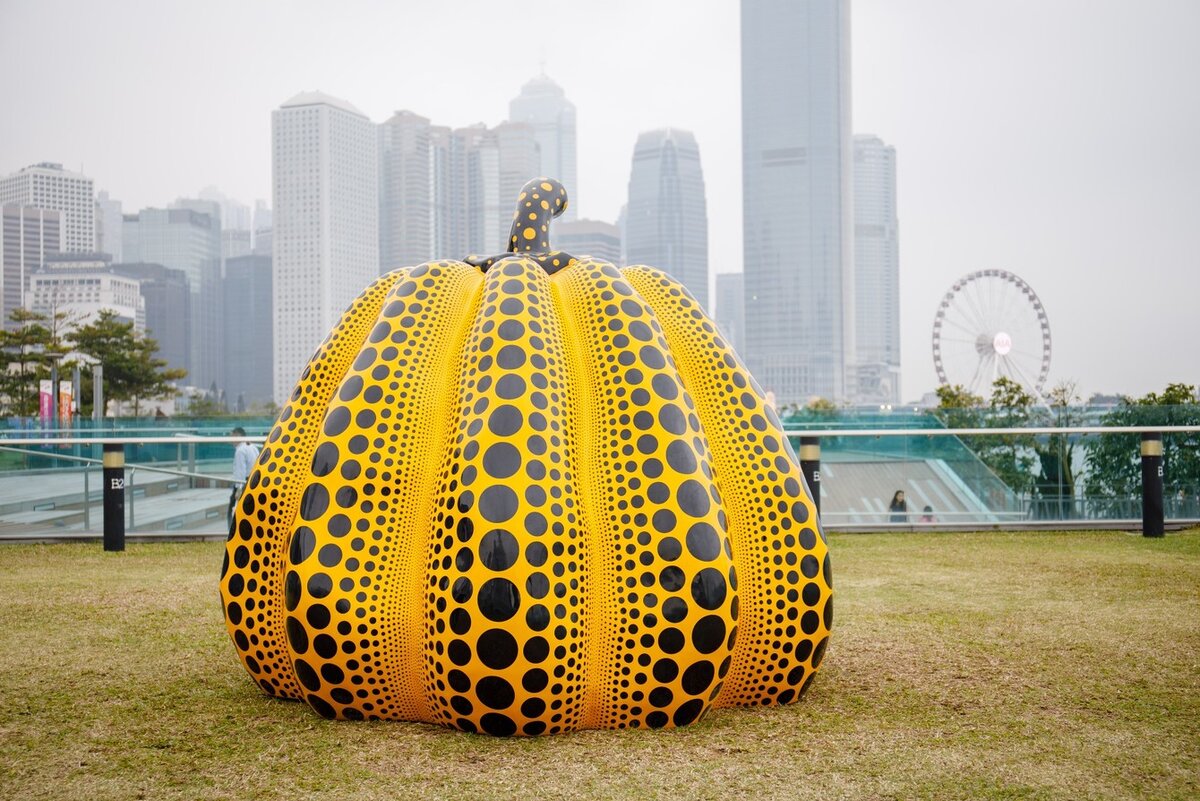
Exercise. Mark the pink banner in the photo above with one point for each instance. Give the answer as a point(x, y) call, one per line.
point(46, 401)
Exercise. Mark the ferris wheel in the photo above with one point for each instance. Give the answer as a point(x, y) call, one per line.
point(991, 324)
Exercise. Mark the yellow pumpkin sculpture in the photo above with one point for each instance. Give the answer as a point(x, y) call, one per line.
point(527, 494)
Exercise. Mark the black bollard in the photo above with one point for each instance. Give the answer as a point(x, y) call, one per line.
point(810, 465)
point(114, 497)
point(1152, 485)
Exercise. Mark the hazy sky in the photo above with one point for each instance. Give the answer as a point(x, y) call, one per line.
point(1057, 139)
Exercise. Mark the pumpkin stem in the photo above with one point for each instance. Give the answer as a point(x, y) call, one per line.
point(541, 200)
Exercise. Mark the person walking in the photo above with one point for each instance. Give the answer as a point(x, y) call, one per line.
point(244, 457)
point(898, 508)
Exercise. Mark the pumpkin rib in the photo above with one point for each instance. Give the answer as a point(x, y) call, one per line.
point(770, 511)
point(506, 639)
point(435, 328)
point(664, 628)
point(265, 516)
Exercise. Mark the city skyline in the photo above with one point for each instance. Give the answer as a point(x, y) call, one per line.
point(1070, 166)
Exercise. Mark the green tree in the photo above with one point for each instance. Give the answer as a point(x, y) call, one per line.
point(1114, 460)
point(1010, 456)
point(1055, 484)
point(132, 372)
point(29, 346)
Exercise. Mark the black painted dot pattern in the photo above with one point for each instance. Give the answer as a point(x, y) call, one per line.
point(521, 499)
point(507, 573)
point(785, 590)
point(663, 560)
point(254, 570)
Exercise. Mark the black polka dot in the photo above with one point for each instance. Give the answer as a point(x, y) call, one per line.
point(497, 503)
point(709, 634)
point(501, 460)
point(498, 550)
point(511, 330)
point(703, 542)
point(330, 555)
point(664, 523)
point(495, 692)
point(708, 588)
point(510, 387)
point(681, 457)
point(498, 725)
point(510, 357)
point(302, 545)
point(324, 459)
point(671, 641)
point(497, 649)
point(697, 678)
point(460, 621)
point(337, 421)
point(314, 502)
point(671, 578)
point(319, 585)
point(505, 420)
point(688, 712)
point(297, 635)
point(693, 497)
point(674, 609)
point(665, 670)
point(499, 599)
point(664, 386)
point(307, 676)
point(536, 650)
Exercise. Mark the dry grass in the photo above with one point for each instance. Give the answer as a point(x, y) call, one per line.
point(963, 666)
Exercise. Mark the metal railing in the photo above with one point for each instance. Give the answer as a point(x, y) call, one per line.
point(51, 492)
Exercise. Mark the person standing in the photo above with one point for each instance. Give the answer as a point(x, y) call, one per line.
point(244, 457)
point(899, 508)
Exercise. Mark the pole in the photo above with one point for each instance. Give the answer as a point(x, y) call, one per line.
point(54, 393)
point(810, 465)
point(114, 497)
point(98, 392)
point(1152, 485)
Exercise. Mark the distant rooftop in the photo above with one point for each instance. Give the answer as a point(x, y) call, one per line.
point(51, 166)
point(321, 99)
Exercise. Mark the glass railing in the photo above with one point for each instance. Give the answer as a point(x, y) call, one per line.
point(178, 474)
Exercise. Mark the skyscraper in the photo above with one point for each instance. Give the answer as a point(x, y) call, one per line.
point(326, 223)
point(248, 345)
point(666, 224)
point(49, 186)
point(405, 189)
point(29, 236)
point(190, 241)
point(543, 106)
point(168, 310)
point(730, 311)
point(109, 227)
point(593, 238)
point(876, 273)
point(796, 196)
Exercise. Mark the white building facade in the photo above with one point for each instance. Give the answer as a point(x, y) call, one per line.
point(49, 186)
point(876, 374)
point(325, 223)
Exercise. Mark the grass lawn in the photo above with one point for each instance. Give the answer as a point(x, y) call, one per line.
point(994, 665)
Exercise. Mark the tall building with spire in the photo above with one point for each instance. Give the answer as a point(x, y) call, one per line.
point(876, 273)
point(666, 221)
point(543, 106)
point(797, 196)
point(325, 223)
